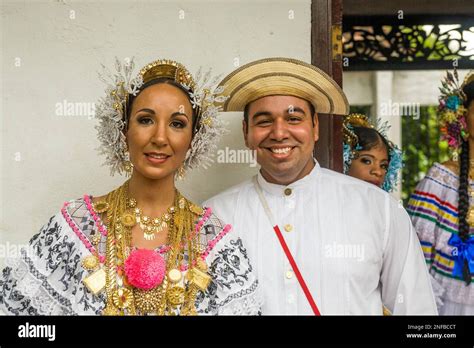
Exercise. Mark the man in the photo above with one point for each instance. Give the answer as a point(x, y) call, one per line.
point(353, 246)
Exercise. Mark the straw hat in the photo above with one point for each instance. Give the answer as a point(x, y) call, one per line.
point(283, 76)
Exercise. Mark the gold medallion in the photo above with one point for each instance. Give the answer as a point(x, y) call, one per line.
point(122, 298)
point(110, 309)
point(147, 301)
point(96, 281)
point(196, 209)
point(199, 278)
point(127, 220)
point(175, 295)
point(101, 206)
point(90, 262)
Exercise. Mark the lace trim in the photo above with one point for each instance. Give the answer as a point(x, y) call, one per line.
point(245, 302)
point(438, 291)
point(34, 285)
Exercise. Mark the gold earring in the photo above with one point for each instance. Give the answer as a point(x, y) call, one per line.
point(127, 164)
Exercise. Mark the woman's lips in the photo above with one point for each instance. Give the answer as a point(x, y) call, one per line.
point(156, 158)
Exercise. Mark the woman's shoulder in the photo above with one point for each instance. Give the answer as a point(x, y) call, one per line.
point(74, 219)
point(208, 224)
point(452, 166)
point(442, 176)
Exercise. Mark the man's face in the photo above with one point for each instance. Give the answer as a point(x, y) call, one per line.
point(281, 130)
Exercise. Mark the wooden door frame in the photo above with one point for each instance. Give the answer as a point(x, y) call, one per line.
point(324, 15)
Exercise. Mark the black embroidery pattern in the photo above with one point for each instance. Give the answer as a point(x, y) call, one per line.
point(230, 270)
point(59, 252)
point(57, 249)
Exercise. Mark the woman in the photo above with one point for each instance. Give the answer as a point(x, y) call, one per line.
point(142, 248)
point(441, 207)
point(368, 155)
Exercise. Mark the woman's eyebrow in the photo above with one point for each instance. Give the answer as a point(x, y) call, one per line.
point(178, 113)
point(146, 110)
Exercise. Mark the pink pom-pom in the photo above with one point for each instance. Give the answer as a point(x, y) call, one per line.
point(145, 269)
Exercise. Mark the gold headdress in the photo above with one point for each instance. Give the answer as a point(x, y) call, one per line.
point(112, 113)
point(165, 68)
point(354, 120)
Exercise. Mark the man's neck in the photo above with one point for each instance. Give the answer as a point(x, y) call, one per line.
point(285, 181)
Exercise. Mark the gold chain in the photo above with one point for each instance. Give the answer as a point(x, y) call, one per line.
point(172, 293)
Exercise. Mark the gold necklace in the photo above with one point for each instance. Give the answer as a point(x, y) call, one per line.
point(177, 293)
point(151, 226)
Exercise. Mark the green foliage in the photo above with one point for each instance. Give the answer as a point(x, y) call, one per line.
point(421, 147)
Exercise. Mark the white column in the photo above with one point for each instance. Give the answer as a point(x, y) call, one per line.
point(383, 97)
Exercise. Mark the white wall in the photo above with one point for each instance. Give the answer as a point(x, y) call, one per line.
point(52, 51)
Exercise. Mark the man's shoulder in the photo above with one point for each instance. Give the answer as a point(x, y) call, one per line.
point(336, 178)
point(229, 194)
point(354, 187)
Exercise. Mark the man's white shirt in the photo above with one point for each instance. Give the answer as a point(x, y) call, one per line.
point(353, 243)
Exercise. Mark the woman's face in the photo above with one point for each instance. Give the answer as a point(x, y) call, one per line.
point(160, 130)
point(371, 165)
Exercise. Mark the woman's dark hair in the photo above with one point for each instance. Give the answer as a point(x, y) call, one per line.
point(369, 138)
point(463, 204)
point(166, 81)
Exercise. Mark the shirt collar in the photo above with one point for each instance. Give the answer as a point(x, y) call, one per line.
point(287, 190)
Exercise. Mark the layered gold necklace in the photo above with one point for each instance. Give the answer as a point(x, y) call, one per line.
point(185, 273)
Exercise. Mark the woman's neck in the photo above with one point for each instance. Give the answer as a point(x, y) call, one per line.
point(152, 196)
